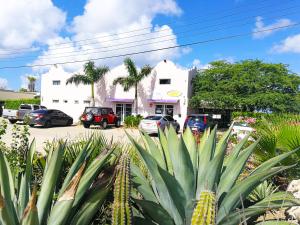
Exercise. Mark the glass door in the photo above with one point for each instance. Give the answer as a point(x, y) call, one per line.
point(123, 110)
point(164, 110)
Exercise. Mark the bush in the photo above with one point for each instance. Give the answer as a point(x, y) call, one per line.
point(132, 121)
point(15, 103)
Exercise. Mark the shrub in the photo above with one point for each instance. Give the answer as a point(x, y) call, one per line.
point(132, 121)
point(15, 104)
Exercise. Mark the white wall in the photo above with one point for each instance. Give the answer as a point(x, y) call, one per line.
point(149, 88)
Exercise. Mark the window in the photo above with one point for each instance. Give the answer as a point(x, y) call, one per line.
point(65, 101)
point(76, 102)
point(36, 107)
point(86, 102)
point(169, 118)
point(56, 82)
point(104, 111)
point(55, 101)
point(164, 81)
point(25, 107)
point(164, 110)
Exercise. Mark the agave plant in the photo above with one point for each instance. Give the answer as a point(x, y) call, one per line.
point(190, 183)
point(73, 202)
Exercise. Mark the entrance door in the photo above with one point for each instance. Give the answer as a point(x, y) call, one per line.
point(123, 110)
point(164, 109)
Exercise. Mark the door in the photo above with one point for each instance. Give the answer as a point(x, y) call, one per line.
point(123, 110)
point(164, 110)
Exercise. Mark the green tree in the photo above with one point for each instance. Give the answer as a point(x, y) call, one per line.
point(133, 78)
point(92, 74)
point(247, 86)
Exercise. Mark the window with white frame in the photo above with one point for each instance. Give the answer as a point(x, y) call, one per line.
point(86, 101)
point(65, 101)
point(55, 101)
point(56, 82)
point(76, 101)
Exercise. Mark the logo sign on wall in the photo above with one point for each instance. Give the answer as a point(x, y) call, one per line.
point(174, 93)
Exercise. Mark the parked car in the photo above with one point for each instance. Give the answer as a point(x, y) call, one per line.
point(239, 127)
point(18, 115)
point(198, 122)
point(151, 124)
point(103, 116)
point(49, 118)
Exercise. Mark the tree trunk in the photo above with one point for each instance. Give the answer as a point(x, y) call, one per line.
point(93, 95)
point(136, 100)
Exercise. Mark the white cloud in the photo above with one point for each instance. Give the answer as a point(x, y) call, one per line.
point(108, 21)
point(25, 22)
point(290, 44)
point(197, 63)
point(260, 26)
point(3, 83)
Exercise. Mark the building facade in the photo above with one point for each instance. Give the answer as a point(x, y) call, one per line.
point(165, 91)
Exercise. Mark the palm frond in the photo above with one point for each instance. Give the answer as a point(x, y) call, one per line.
point(131, 68)
point(100, 72)
point(145, 71)
point(79, 79)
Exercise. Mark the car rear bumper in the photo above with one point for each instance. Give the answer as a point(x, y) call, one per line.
point(149, 130)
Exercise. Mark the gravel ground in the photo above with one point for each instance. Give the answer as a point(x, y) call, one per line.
point(43, 135)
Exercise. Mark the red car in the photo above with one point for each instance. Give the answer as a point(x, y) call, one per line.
point(102, 116)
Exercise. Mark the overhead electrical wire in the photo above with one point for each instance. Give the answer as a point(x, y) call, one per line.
point(94, 38)
point(82, 51)
point(92, 51)
point(153, 50)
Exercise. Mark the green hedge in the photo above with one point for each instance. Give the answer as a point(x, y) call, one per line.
point(132, 121)
point(14, 104)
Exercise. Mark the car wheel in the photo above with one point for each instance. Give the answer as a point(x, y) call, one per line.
point(85, 125)
point(31, 125)
point(118, 123)
point(12, 121)
point(104, 124)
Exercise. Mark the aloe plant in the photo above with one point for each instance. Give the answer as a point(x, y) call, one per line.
point(73, 202)
point(180, 170)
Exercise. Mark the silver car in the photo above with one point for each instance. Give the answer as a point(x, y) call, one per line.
point(151, 124)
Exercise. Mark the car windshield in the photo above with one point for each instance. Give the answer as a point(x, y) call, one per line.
point(91, 110)
point(197, 119)
point(25, 107)
point(153, 118)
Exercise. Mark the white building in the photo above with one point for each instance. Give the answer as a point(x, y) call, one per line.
point(165, 91)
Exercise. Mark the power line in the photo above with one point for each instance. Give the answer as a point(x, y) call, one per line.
point(152, 50)
point(92, 51)
point(153, 38)
point(132, 31)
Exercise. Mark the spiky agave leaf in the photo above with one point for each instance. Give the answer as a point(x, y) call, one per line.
point(30, 216)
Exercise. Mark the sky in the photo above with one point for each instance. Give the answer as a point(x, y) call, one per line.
point(37, 34)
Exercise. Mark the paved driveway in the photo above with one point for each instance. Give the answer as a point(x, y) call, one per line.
point(42, 135)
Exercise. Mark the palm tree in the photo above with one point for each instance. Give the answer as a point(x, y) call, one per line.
point(92, 74)
point(133, 78)
point(31, 84)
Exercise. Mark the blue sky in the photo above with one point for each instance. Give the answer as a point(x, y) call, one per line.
point(34, 32)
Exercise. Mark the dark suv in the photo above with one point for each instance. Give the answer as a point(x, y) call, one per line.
point(102, 116)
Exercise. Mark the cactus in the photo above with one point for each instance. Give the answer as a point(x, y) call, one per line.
point(205, 211)
point(122, 214)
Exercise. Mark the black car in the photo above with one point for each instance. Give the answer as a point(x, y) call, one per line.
point(48, 118)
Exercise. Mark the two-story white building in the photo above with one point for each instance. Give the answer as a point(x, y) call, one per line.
point(165, 91)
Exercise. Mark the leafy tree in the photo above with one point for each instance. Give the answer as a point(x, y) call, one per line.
point(133, 78)
point(92, 74)
point(247, 86)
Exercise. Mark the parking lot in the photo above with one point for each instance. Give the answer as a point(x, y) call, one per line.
point(43, 135)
